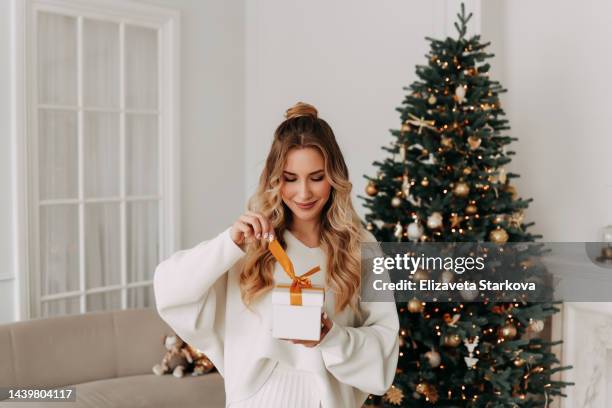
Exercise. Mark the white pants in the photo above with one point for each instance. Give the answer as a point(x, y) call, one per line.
point(286, 387)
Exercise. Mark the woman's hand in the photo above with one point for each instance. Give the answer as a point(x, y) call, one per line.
point(249, 226)
point(326, 325)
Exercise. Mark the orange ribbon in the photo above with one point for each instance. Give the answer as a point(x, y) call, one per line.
point(298, 282)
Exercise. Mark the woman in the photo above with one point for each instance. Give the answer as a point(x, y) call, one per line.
point(217, 295)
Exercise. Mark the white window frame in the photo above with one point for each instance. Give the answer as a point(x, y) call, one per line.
point(25, 188)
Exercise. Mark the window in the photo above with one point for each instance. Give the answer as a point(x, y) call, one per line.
point(101, 96)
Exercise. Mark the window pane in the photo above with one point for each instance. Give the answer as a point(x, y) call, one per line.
point(61, 307)
point(104, 301)
point(101, 154)
point(100, 63)
point(141, 152)
point(57, 154)
point(142, 240)
point(59, 248)
point(141, 297)
point(57, 59)
point(102, 245)
point(140, 68)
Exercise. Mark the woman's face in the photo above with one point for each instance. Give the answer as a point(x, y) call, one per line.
point(305, 182)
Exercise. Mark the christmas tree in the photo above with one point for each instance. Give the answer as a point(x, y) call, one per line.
point(445, 182)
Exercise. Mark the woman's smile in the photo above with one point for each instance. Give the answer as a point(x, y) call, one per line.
point(306, 206)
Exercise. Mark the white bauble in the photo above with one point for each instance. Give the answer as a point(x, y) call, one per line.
point(415, 230)
point(434, 220)
point(447, 276)
point(433, 357)
point(469, 295)
point(536, 325)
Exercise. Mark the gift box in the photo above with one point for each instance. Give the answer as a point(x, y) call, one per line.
point(296, 307)
point(300, 322)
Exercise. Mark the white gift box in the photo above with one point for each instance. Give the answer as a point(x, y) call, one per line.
point(299, 322)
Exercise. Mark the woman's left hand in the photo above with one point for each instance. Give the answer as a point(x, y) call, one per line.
point(326, 325)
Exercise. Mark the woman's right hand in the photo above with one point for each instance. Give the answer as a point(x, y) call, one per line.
point(249, 226)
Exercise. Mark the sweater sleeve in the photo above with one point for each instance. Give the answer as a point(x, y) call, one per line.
point(190, 292)
point(365, 357)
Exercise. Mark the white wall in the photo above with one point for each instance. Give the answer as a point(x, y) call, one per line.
point(348, 58)
point(351, 59)
point(212, 125)
point(556, 67)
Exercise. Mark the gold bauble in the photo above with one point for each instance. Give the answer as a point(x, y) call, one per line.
point(519, 362)
point(420, 274)
point(474, 142)
point(461, 189)
point(425, 182)
point(371, 189)
point(432, 394)
point(498, 236)
point(508, 331)
point(452, 340)
point(405, 127)
point(471, 209)
point(370, 226)
point(422, 388)
point(467, 171)
point(433, 357)
point(431, 100)
point(415, 305)
point(396, 202)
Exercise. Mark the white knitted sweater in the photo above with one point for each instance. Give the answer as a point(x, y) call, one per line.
point(197, 293)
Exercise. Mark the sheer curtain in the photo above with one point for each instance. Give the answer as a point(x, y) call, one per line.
point(98, 163)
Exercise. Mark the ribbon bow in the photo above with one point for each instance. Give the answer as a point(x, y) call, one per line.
point(298, 282)
point(421, 123)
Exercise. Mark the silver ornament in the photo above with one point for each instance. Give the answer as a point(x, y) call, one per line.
point(447, 276)
point(469, 295)
point(536, 325)
point(434, 221)
point(433, 357)
point(415, 230)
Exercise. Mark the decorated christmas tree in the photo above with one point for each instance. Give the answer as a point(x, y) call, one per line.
point(445, 181)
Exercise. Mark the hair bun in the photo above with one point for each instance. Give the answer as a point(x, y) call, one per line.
point(301, 109)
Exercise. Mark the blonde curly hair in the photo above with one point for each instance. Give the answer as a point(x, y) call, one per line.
point(340, 225)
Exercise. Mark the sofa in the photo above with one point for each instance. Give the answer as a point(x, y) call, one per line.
point(107, 356)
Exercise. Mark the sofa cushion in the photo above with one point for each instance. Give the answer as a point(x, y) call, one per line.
point(143, 391)
point(76, 349)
